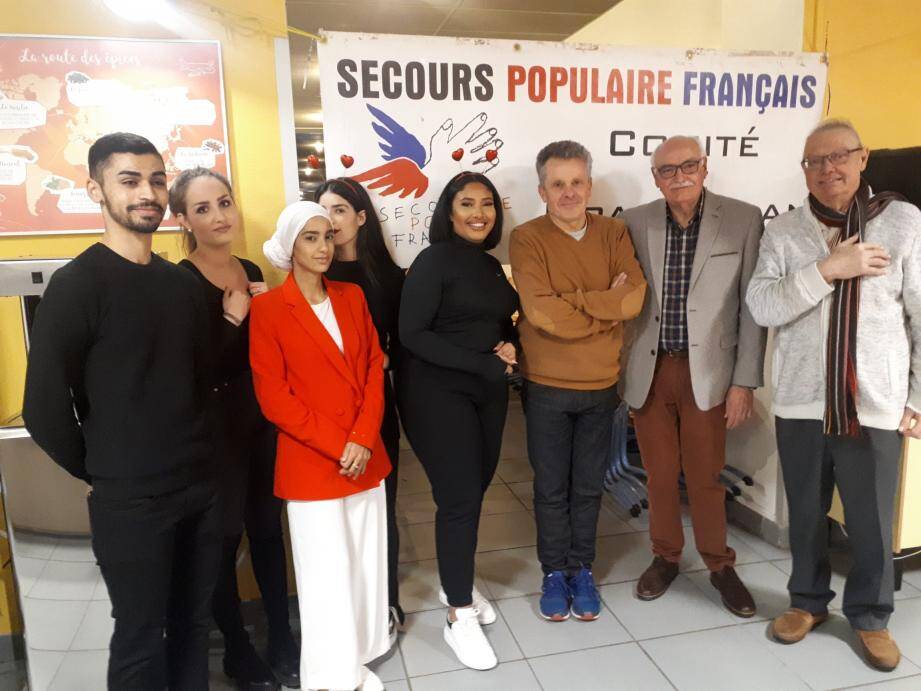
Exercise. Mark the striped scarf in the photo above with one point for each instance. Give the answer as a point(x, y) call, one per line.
point(841, 369)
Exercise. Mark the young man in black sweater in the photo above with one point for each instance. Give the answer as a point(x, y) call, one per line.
point(115, 394)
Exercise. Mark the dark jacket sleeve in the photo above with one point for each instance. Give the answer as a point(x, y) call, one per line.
point(419, 306)
point(60, 340)
point(392, 345)
point(205, 362)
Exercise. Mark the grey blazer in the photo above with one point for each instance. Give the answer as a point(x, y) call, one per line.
point(726, 346)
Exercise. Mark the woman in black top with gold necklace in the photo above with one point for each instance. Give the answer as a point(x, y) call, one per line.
point(362, 258)
point(244, 442)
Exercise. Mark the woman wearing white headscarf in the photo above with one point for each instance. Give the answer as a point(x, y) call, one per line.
point(318, 371)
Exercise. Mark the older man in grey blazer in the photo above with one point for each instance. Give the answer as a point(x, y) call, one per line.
point(695, 356)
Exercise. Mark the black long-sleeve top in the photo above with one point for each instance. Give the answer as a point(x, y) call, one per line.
point(457, 305)
point(382, 296)
point(118, 372)
point(230, 343)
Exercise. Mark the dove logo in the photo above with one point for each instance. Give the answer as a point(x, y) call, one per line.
point(406, 157)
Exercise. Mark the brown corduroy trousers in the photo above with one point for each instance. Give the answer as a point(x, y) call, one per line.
point(675, 435)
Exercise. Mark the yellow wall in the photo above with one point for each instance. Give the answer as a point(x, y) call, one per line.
point(246, 29)
point(727, 24)
point(874, 69)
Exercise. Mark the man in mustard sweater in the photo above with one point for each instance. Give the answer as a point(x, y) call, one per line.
point(578, 279)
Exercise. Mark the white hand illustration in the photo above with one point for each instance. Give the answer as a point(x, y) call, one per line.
point(474, 137)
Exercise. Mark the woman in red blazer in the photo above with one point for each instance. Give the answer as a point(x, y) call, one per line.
point(319, 377)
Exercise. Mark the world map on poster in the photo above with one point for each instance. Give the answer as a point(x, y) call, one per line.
point(58, 95)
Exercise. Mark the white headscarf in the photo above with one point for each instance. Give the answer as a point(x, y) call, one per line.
point(279, 248)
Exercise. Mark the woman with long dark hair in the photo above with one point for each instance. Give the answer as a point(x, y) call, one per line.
point(244, 442)
point(457, 335)
point(362, 258)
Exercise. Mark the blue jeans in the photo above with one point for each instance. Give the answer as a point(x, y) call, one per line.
point(569, 435)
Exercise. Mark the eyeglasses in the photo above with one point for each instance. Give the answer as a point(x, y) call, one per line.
point(692, 165)
point(836, 158)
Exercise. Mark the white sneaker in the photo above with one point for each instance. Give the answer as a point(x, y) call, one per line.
point(468, 641)
point(487, 615)
point(392, 628)
point(372, 682)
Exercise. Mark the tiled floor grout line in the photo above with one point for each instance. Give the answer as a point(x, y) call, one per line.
point(34, 583)
point(540, 685)
point(519, 646)
point(403, 659)
point(879, 684)
point(655, 664)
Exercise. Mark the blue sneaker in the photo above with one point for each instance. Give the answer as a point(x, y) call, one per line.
point(586, 602)
point(555, 597)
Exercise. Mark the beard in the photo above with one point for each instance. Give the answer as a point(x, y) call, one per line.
point(124, 218)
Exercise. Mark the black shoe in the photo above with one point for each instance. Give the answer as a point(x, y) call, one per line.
point(285, 661)
point(248, 670)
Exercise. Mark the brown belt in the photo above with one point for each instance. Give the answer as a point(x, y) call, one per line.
point(674, 353)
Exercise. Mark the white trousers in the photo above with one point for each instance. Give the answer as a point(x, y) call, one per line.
point(340, 564)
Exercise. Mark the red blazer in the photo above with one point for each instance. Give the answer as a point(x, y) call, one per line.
point(318, 397)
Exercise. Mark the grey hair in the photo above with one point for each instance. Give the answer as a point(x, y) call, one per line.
point(565, 149)
point(686, 138)
point(834, 124)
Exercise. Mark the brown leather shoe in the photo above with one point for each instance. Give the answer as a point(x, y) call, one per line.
point(879, 649)
point(656, 579)
point(735, 595)
point(793, 625)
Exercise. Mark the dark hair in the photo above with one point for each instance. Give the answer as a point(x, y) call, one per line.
point(442, 228)
point(373, 255)
point(177, 198)
point(116, 143)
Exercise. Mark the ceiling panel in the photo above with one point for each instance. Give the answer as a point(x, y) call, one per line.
point(367, 17)
point(592, 7)
point(507, 20)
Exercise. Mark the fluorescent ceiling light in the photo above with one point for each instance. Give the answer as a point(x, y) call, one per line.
point(137, 10)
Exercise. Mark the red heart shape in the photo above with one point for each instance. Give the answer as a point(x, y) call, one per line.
point(457, 154)
point(313, 161)
point(491, 155)
point(346, 160)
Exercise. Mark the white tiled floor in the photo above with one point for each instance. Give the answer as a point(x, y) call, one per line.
point(685, 640)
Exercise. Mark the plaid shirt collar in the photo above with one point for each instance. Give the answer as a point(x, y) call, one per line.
point(695, 220)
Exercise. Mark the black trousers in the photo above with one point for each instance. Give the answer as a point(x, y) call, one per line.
point(569, 439)
point(245, 463)
point(159, 559)
point(454, 422)
point(390, 435)
point(866, 471)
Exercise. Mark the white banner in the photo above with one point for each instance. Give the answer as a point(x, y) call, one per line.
point(403, 114)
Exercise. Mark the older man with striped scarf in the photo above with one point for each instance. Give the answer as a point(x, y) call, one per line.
point(839, 280)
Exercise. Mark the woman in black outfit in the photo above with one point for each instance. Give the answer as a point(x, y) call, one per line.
point(362, 258)
point(244, 442)
point(457, 335)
